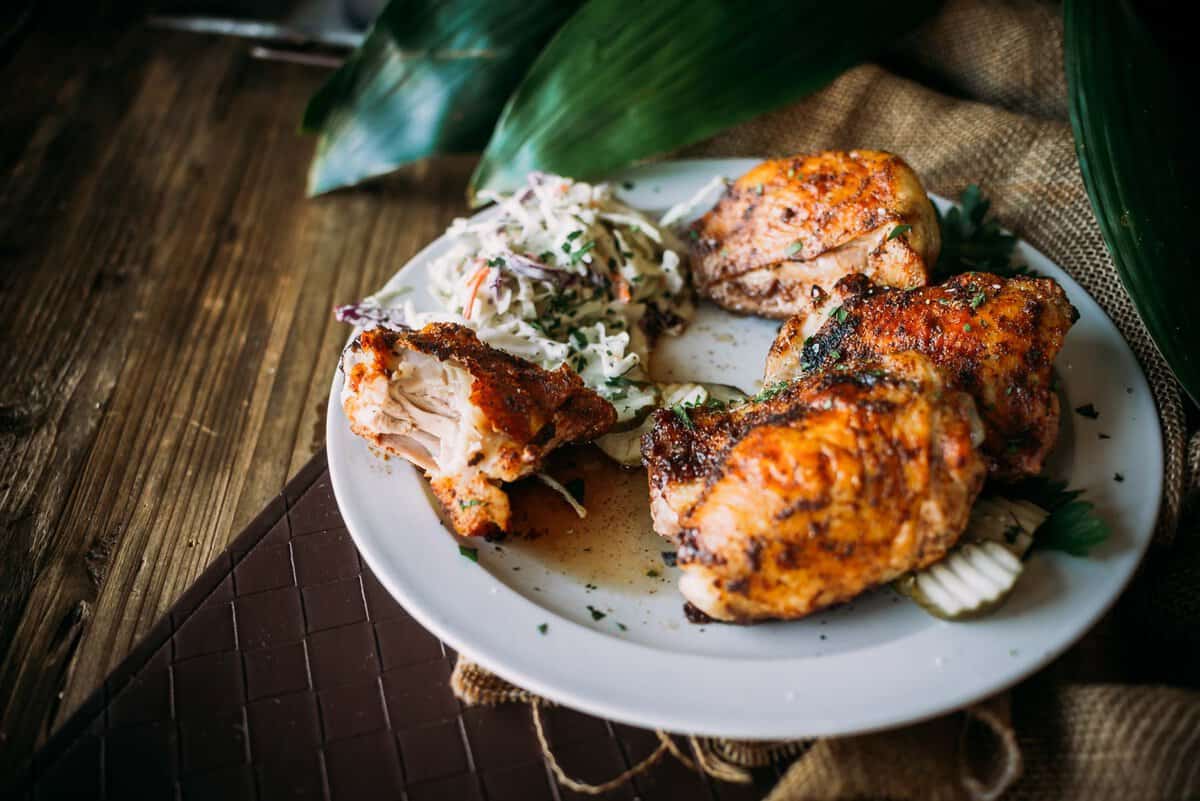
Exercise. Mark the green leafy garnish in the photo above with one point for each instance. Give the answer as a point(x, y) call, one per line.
point(840, 314)
point(1072, 526)
point(977, 300)
point(681, 412)
point(596, 613)
point(543, 628)
point(469, 504)
point(768, 392)
point(584, 248)
point(899, 230)
point(652, 573)
point(1087, 410)
point(970, 241)
point(469, 553)
point(794, 248)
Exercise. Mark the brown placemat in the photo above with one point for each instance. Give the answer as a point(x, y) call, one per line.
point(287, 671)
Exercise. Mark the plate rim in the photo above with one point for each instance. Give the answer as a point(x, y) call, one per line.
point(621, 712)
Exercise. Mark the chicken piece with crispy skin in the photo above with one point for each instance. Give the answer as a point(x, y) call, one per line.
point(784, 233)
point(469, 415)
point(996, 338)
point(839, 482)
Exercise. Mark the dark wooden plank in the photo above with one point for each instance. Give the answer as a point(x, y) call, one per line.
point(166, 336)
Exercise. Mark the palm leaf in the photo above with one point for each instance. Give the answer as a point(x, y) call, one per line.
point(621, 82)
point(1131, 113)
point(429, 78)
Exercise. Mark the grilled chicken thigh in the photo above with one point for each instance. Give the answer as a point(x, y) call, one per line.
point(839, 482)
point(996, 338)
point(467, 414)
point(784, 233)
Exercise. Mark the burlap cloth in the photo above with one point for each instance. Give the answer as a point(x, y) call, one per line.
point(978, 95)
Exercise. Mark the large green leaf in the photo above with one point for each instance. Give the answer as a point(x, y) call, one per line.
point(623, 81)
point(430, 77)
point(1133, 118)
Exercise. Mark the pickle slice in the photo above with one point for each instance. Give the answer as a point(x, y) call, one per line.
point(979, 573)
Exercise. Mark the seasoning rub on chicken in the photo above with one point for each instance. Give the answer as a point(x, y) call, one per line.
point(995, 338)
point(784, 233)
point(818, 490)
point(469, 415)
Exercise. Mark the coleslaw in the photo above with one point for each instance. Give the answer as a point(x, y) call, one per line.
point(564, 273)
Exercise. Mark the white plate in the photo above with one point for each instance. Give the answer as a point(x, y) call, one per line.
point(876, 663)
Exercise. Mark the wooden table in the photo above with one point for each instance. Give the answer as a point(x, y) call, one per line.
point(166, 328)
point(167, 339)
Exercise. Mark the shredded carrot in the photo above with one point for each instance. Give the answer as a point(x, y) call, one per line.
point(623, 293)
point(476, 282)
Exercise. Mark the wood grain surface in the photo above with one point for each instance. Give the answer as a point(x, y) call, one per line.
point(166, 339)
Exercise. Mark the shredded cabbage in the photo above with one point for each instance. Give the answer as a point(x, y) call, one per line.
point(564, 273)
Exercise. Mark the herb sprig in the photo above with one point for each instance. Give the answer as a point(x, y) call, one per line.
point(971, 241)
point(1072, 526)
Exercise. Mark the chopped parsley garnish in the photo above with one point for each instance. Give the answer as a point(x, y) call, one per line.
point(577, 255)
point(652, 573)
point(669, 558)
point(967, 327)
point(681, 412)
point(469, 553)
point(543, 628)
point(795, 248)
point(496, 262)
point(1087, 410)
point(977, 300)
point(469, 504)
point(1118, 477)
point(596, 613)
point(627, 184)
point(899, 230)
point(622, 626)
point(693, 234)
point(768, 392)
point(546, 255)
point(571, 237)
point(578, 338)
point(840, 314)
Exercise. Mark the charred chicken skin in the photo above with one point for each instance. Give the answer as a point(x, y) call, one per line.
point(839, 482)
point(995, 338)
point(470, 416)
point(784, 233)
